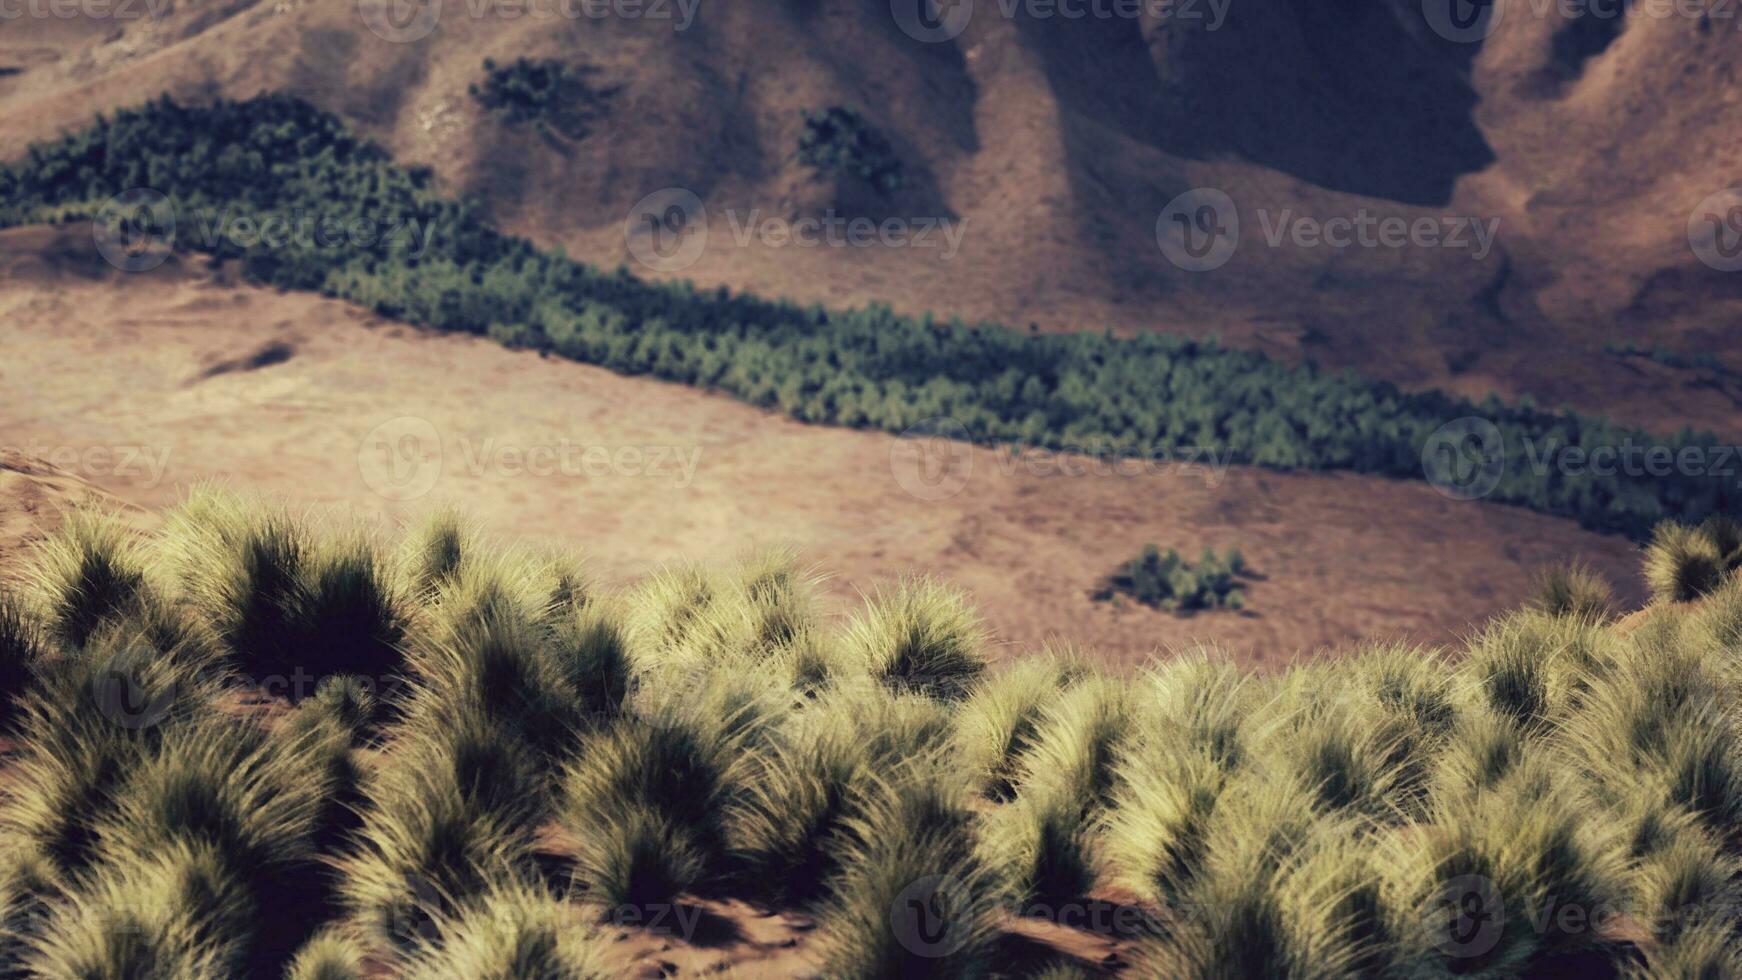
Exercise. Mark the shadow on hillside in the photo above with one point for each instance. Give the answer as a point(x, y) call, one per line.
point(1358, 96)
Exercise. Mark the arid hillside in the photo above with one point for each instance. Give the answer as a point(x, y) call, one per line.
point(145, 385)
point(1561, 171)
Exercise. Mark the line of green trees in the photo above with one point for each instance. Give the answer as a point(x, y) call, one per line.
point(868, 367)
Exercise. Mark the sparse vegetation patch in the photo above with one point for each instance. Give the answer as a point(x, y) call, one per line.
point(839, 140)
point(1167, 581)
point(549, 95)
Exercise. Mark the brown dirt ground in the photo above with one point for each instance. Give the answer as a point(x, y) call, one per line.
point(106, 380)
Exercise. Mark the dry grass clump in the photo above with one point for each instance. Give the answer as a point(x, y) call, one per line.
point(1685, 562)
point(509, 932)
point(491, 755)
point(919, 637)
point(1574, 589)
point(287, 605)
point(88, 572)
point(330, 954)
point(20, 648)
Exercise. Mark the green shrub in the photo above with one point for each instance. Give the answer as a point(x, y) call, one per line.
point(547, 94)
point(839, 140)
point(1167, 581)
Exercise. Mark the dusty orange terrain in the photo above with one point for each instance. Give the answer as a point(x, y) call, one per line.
point(145, 386)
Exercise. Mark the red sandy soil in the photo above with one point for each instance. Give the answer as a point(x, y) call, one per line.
point(299, 397)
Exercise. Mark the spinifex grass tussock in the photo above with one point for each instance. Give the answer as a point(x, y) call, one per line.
point(176, 911)
point(1705, 951)
point(88, 571)
point(1041, 842)
point(21, 644)
point(430, 838)
point(1574, 589)
point(1683, 563)
point(914, 899)
point(1511, 861)
point(287, 604)
point(998, 722)
point(512, 931)
point(533, 753)
point(919, 636)
point(433, 550)
point(498, 671)
point(331, 954)
point(647, 799)
point(784, 829)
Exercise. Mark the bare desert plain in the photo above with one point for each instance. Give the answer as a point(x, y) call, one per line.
point(182, 377)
